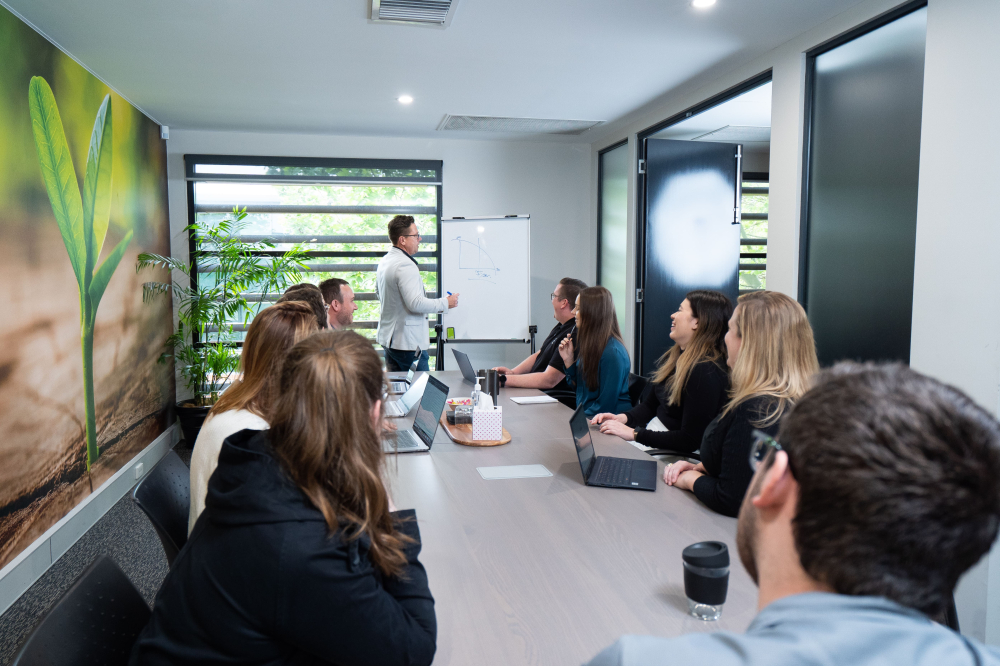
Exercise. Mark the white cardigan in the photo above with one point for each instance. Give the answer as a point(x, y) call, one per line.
point(205, 457)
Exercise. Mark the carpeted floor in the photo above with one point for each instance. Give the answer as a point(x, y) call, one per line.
point(125, 534)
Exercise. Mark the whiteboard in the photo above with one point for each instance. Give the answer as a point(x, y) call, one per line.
point(486, 261)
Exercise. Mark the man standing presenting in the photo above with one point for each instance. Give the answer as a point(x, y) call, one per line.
point(402, 322)
point(545, 369)
point(340, 303)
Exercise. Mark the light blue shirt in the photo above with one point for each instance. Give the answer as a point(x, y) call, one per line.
point(817, 628)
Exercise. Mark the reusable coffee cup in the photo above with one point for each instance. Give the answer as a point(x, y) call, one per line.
point(706, 578)
point(493, 385)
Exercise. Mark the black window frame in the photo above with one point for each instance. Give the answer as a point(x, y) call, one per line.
point(600, 198)
point(436, 178)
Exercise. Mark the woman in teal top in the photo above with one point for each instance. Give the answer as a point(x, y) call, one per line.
point(601, 368)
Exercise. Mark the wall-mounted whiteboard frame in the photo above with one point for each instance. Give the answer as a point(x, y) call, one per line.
point(504, 316)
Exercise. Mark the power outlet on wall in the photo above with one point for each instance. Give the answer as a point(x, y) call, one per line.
point(138, 470)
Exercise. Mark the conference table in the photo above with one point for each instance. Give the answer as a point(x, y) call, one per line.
point(549, 570)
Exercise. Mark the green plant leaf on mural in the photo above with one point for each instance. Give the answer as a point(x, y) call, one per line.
point(57, 172)
point(106, 270)
point(97, 185)
point(83, 220)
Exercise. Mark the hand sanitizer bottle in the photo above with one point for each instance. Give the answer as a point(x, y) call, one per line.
point(476, 392)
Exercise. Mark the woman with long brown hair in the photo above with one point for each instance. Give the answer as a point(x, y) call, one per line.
point(601, 366)
point(297, 557)
point(772, 354)
point(689, 387)
point(247, 402)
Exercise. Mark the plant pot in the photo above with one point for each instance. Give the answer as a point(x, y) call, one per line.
point(191, 417)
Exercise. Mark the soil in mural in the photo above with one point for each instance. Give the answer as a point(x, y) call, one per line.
point(44, 329)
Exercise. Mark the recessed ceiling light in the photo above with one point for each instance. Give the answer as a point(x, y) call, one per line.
point(702, 4)
point(406, 99)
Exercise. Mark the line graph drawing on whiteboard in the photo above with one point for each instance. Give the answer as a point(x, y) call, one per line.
point(476, 260)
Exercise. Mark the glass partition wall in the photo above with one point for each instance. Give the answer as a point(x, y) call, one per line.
point(860, 205)
point(612, 224)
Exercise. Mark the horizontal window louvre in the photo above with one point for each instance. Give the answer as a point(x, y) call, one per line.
point(753, 231)
point(334, 210)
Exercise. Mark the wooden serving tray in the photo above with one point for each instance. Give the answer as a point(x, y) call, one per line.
point(462, 434)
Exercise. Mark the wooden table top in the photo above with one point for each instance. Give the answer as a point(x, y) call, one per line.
point(548, 570)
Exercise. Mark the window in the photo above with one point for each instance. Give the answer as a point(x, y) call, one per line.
point(612, 225)
point(337, 210)
point(753, 232)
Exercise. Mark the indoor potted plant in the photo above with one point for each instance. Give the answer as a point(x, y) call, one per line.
point(205, 344)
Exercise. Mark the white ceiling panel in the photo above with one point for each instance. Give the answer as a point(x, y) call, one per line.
point(323, 66)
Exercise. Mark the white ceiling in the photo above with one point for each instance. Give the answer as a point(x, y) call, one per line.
point(321, 66)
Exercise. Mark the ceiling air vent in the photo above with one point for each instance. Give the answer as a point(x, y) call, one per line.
point(737, 134)
point(433, 12)
point(516, 125)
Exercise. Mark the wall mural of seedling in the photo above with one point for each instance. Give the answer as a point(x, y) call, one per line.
point(82, 218)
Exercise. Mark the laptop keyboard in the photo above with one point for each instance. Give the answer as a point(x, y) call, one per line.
point(399, 387)
point(405, 439)
point(614, 471)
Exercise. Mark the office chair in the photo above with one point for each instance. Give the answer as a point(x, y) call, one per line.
point(637, 387)
point(95, 622)
point(165, 497)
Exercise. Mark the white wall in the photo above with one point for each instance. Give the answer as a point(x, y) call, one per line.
point(787, 63)
point(550, 181)
point(958, 238)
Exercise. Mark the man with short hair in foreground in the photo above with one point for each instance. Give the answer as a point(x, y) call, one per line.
point(883, 487)
point(340, 303)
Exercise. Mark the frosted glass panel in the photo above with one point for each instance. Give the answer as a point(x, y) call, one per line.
point(614, 226)
point(864, 163)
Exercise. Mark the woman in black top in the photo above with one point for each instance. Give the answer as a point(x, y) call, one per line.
point(296, 558)
point(689, 386)
point(771, 352)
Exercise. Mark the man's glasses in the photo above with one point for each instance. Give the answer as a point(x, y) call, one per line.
point(762, 445)
point(555, 297)
point(411, 236)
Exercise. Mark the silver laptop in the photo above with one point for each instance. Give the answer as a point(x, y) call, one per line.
point(465, 366)
point(425, 423)
point(399, 385)
point(402, 407)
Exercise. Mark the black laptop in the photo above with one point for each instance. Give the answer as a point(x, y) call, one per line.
point(605, 471)
point(465, 366)
point(425, 423)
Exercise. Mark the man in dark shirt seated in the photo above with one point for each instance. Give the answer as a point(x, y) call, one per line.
point(545, 369)
point(881, 490)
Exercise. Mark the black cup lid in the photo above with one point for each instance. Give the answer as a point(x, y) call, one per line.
point(708, 554)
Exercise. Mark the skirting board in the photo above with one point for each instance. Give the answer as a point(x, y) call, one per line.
point(33, 561)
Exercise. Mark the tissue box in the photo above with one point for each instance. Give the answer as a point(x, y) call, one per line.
point(487, 423)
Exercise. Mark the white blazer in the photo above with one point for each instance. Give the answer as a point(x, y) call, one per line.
point(402, 324)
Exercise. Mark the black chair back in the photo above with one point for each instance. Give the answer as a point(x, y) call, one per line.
point(637, 386)
point(95, 623)
point(165, 497)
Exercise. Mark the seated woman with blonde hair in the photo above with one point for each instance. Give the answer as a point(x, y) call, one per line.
point(247, 402)
point(772, 354)
point(299, 557)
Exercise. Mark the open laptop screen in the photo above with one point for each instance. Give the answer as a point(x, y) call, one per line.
point(425, 423)
point(584, 443)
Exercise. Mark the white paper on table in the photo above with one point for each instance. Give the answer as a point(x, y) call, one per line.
point(513, 472)
point(533, 400)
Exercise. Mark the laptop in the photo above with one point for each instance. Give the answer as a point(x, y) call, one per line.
point(425, 423)
point(402, 407)
point(609, 472)
point(400, 385)
point(465, 366)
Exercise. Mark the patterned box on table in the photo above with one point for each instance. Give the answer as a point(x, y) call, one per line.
point(487, 423)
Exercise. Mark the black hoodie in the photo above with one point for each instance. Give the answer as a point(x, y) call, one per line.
point(261, 581)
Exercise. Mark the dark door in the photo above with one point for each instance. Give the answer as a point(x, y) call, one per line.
point(690, 239)
point(864, 165)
